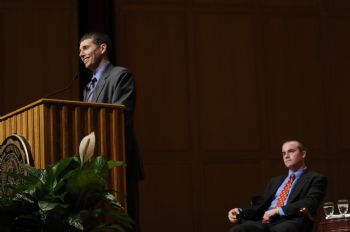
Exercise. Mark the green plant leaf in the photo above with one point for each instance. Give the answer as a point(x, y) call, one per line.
point(114, 163)
point(99, 167)
point(46, 205)
point(24, 198)
point(70, 194)
point(32, 170)
point(110, 198)
point(85, 188)
point(76, 221)
point(20, 176)
point(65, 165)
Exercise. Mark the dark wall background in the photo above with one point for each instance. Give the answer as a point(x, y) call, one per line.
point(221, 84)
point(38, 51)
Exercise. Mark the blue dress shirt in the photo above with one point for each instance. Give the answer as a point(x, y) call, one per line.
point(279, 190)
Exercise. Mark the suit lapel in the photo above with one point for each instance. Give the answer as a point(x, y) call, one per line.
point(304, 178)
point(278, 184)
point(270, 194)
point(275, 185)
point(101, 84)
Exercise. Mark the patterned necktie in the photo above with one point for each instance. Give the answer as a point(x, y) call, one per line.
point(285, 191)
point(90, 89)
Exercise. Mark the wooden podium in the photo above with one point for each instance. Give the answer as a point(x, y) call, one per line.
point(54, 129)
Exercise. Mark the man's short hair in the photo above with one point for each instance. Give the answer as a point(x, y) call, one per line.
point(301, 146)
point(98, 39)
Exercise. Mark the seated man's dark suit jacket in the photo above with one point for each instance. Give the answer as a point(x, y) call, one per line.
point(117, 86)
point(308, 192)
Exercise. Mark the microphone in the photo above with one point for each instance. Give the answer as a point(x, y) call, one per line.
point(76, 77)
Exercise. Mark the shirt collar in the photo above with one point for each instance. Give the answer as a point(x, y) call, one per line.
point(100, 70)
point(297, 173)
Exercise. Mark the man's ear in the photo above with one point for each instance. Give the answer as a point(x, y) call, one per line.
point(304, 154)
point(103, 48)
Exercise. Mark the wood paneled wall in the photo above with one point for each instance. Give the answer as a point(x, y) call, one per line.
point(38, 51)
point(221, 84)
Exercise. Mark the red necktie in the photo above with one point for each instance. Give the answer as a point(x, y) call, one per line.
point(284, 193)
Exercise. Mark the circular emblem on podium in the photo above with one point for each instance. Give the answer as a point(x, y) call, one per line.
point(14, 152)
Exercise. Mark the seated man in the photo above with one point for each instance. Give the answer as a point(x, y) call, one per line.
point(284, 196)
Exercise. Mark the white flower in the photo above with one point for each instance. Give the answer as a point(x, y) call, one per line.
point(86, 147)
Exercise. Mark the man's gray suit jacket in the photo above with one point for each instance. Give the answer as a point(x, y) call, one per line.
point(117, 86)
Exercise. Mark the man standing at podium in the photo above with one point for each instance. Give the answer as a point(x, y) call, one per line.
point(116, 85)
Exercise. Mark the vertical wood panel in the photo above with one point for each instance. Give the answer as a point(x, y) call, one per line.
point(41, 136)
point(160, 53)
point(338, 4)
point(52, 123)
point(103, 129)
point(77, 125)
point(2, 131)
point(225, 73)
point(19, 125)
point(152, 1)
point(36, 136)
point(25, 124)
point(90, 116)
point(159, 213)
point(13, 125)
point(343, 172)
point(64, 128)
point(290, 3)
point(7, 128)
point(30, 136)
point(46, 60)
point(296, 84)
point(118, 151)
point(231, 191)
point(242, 3)
point(338, 63)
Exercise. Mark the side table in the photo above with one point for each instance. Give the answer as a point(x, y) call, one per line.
point(332, 225)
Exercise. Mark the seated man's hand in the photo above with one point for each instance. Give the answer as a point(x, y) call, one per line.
point(268, 215)
point(232, 215)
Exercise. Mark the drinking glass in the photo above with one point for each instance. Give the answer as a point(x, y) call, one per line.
point(328, 208)
point(343, 206)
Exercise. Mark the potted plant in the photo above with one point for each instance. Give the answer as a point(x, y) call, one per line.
point(71, 195)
